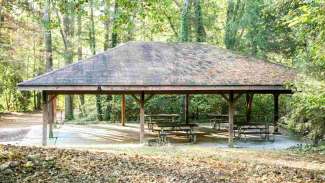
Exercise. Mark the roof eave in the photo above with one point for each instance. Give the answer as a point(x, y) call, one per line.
point(156, 89)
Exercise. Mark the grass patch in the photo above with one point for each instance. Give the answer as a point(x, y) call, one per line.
point(309, 148)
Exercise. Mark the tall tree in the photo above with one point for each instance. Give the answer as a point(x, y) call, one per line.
point(106, 23)
point(235, 10)
point(108, 108)
point(48, 53)
point(79, 41)
point(113, 44)
point(92, 44)
point(47, 36)
point(184, 37)
point(199, 26)
point(184, 32)
point(114, 25)
point(67, 33)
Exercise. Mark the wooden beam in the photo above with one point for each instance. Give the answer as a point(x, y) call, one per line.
point(136, 99)
point(142, 118)
point(45, 117)
point(148, 98)
point(276, 112)
point(237, 97)
point(168, 89)
point(186, 107)
point(123, 106)
point(225, 97)
point(228, 99)
point(231, 111)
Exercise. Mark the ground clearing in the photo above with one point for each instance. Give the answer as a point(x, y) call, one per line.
point(156, 164)
point(176, 162)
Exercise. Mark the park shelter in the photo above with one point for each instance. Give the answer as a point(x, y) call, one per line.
point(148, 68)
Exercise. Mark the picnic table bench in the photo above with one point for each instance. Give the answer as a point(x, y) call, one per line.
point(152, 119)
point(169, 128)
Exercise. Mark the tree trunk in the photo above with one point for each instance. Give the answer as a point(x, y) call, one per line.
point(109, 99)
point(47, 36)
point(106, 24)
point(48, 53)
point(108, 109)
point(184, 37)
point(199, 26)
point(114, 26)
point(79, 30)
point(184, 33)
point(68, 32)
point(92, 42)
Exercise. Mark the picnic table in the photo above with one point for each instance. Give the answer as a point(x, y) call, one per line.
point(170, 128)
point(152, 119)
point(253, 128)
point(216, 119)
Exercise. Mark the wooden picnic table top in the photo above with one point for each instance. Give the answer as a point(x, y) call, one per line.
point(173, 125)
point(250, 123)
point(161, 115)
point(223, 115)
point(217, 115)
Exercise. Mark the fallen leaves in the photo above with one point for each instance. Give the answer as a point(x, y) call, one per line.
point(33, 164)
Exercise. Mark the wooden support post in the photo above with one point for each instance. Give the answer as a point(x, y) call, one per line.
point(231, 111)
point(249, 103)
point(276, 112)
point(45, 117)
point(54, 108)
point(186, 107)
point(123, 110)
point(51, 118)
point(142, 118)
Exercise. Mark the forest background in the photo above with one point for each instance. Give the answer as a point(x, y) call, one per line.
point(37, 36)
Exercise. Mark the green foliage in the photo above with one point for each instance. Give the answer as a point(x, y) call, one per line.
point(13, 99)
point(294, 31)
point(235, 9)
point(308, 148)
point(308, 104)
point(308, 109)
point(256, 27)
point(308, 22)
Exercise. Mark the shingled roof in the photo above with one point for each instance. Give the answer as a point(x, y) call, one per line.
point(169, 66)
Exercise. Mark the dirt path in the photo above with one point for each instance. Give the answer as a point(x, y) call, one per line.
point(20, 120)
point(15, 126)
